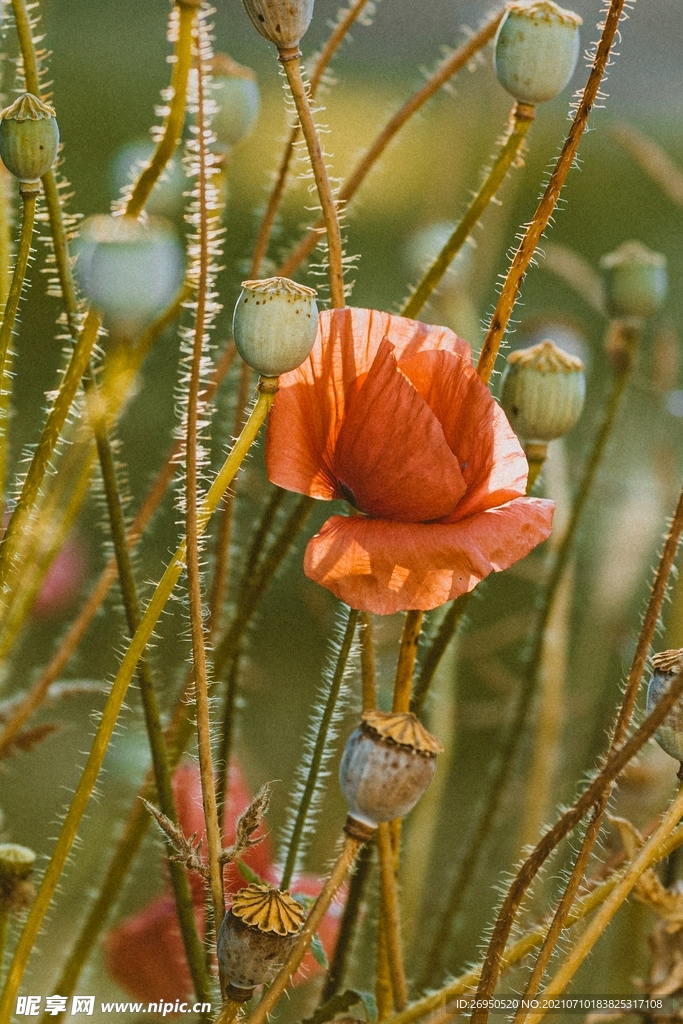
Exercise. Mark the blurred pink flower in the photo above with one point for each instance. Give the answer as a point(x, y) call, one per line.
point(145, 953)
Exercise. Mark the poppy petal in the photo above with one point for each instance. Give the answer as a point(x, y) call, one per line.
point(309, 409)
point(491, 458)
point(385, 567)
point(392, 458)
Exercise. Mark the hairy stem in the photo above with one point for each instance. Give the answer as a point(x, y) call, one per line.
point(291, 61)
point(390, 916)
point(118, 691)
point(544, 210)
point(311, 783)
point(347, 928)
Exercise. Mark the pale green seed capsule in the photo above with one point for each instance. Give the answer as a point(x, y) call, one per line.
point(536, 49)
point(635, 280)
point(275, 324)
point(236, 95)
point(29, 138)
point(543, 392)
point(283, 22)
point(130, 270)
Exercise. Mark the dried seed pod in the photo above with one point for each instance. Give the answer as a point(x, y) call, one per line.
point(255, 938)
point(388, 762)
point(275, 324)
point(543, 392)
point(536, 49)
point(236, 95)
point(29, 138)
point(665, 666)
point(129, 269)
point(16, 865)
point(635, 280)
point(283, 22)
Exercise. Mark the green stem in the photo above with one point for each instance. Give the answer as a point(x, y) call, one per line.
point(117, 694)
point(436, 650)
point(347, 928)
point(173, 128)
point(178, 737)
point(520, 121)
point(155, 732)
point(319, 750)
point(56, 419)
point(500, 771)
point(29, 197)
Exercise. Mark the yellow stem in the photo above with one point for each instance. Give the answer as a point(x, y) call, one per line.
point(117, 694)
point(391, 919)
point(407, 656)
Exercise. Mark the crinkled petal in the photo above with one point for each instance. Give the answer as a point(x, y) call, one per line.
point(491, 459)
point(392, 458)
point(385, 567)
point(309, 409)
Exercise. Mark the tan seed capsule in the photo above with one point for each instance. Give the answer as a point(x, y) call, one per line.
point(543, 392)
point(388, 762)
point(670, 733)
point(255, 938)
point(16, 865)
point(275, 324)
point(283, 22)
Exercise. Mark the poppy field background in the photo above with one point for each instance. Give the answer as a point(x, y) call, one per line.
point(108, 66)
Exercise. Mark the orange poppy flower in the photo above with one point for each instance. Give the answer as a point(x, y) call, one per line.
point(389, 414)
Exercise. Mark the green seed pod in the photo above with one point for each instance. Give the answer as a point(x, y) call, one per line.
point(16, 865)
point(543, 392)
point(130, 270)
point(536, 49)
point(670, 733)
point(255, 938)
point(283, 22)
point(388, 762)
point(275, 324)
point(635, 280)
point(29, 138)
point(236, 95)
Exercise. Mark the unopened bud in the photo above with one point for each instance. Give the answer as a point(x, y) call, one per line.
point(283, 22)
point(16, 865)
point(665, 667)
point(29, 138)
point(255, 938)
point(129, 269)
point(543, 392)
point(236, 95)
point(388, 762)
point(635, 280)
point(536, 49)
point(275, 324)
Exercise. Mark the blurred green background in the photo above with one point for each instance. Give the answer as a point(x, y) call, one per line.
point(108, 65)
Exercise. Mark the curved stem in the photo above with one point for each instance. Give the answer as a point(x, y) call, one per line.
point(175, 119)
point(352, 908)
point(521, 118)
point(338, 874)
point(117, 694)
point(278, 189)
point(436, 650)
point(291, 61)
point(459, 59)
point(517, 950)
point(499, 772)
point(319, 750)
point(544, 210)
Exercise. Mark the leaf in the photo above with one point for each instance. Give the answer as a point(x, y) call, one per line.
point(343, 1002)
point(318, 951)
point(249, 875)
